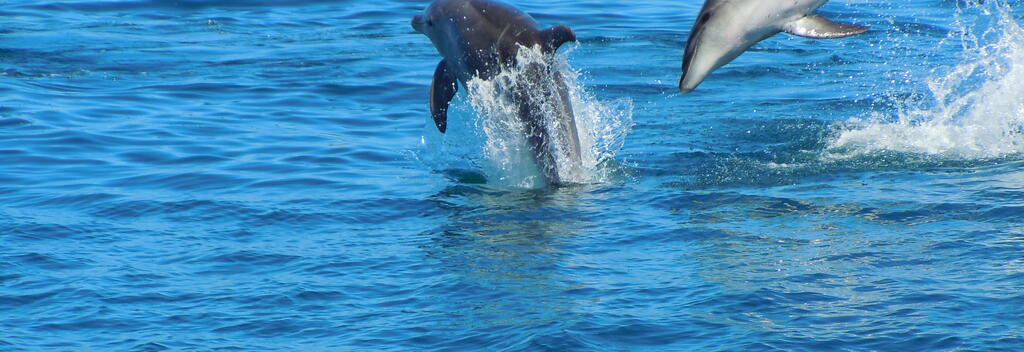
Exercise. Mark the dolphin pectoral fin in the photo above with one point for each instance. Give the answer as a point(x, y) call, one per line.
point(441, 93)
point(555, 36)
point(818, 27)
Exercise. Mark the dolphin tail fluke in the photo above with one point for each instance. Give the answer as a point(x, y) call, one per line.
point(555, 36)
point(441, 93)
point(818, 27)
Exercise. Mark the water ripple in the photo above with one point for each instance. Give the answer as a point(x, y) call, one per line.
point(264, 175)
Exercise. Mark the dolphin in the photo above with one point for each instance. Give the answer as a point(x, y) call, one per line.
point(726, 28)
point(481, 39)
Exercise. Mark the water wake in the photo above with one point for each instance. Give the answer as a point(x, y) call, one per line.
point(976, 110)
point(490, 136)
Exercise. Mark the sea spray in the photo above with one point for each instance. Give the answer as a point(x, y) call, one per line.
point(486, 133)
point(975, 110)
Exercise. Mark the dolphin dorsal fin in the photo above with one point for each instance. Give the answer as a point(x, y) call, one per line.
point(555, 36)
point(818, 27)
point(442, 90)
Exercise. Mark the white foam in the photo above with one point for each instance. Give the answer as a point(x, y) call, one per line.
point(978, 109)
point(488, 132)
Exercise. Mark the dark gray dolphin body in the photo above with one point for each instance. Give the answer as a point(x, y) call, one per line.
point(481, 38)
point(726, 28)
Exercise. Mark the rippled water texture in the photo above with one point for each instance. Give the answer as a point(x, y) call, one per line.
point(264, 175)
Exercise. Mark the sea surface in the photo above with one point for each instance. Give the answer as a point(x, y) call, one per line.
point(261, 175)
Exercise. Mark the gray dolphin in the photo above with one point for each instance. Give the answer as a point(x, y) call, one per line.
point(481, 38)
point(726, 28)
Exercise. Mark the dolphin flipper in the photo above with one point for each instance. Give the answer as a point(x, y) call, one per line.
point(555, 36)
point(441, 93)
point(818, 27)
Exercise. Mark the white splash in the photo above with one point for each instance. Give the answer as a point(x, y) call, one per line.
point(491, 135)
point(978, 109)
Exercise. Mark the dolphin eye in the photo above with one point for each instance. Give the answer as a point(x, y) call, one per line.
point(704, 18)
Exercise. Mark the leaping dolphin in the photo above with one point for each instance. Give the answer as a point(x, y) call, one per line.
point(481, 38)
point(726, 28)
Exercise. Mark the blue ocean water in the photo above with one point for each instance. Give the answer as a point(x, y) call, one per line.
point(263, 175)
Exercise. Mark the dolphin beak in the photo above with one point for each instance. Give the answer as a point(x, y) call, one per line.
point(690, 79)
point(702, 59)
point(692, 73)
point(685, 89)
point(417, 23)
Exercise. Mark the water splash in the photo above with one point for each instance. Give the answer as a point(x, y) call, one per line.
point(976, 110)
point(489, 135)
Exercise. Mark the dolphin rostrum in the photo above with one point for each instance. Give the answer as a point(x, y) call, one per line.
point(481, 39)
point(726, 28)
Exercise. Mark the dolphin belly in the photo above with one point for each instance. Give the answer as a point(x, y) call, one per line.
point(567, 126)
point(549, 122)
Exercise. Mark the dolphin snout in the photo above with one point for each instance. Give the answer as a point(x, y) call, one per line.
point(417, 23)
point(692, 76)
point(690, 80)
point(700, 59)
